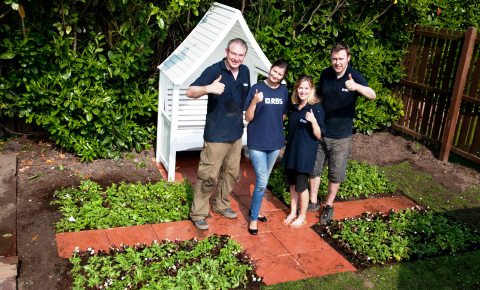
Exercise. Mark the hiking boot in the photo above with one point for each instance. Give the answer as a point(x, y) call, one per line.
point(313, 206)
point(201, 224)
point(327, 215)
point(228, 213)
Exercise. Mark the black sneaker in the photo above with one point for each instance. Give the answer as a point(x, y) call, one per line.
point(313, 206)
point(201, 224)
point(327, 215)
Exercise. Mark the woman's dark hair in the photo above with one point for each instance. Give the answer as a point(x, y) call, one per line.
point(281, 63)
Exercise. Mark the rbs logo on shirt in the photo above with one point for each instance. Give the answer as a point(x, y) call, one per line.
point(274, 101)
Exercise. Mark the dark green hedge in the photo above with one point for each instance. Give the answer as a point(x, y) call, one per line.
point(85, 70)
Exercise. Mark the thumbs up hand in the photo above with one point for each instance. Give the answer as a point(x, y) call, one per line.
point(216, 87)
point(258, 97)
point(350, 84)
point(309, 116)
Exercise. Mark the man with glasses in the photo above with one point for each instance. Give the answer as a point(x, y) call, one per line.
point(226, 83)
point(338, 89)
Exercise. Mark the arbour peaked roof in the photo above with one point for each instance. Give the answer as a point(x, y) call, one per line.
point(209, 38)
point(181, 120)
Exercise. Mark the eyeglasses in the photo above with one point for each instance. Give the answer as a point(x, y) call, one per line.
point(233, 54)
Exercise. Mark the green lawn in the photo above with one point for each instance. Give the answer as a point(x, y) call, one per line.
point(446, 272)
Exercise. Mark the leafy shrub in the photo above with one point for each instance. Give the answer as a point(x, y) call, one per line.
point(278, 186)
point(216, 262)
point(413, 233)
point(307, 32)
point(91, 207)
point(374, 30)
point(84, 70)
point(362, 180)
point(83, 105)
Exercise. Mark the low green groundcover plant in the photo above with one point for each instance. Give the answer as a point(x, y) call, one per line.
point(410, 234)
point(217, 262)
point(362, 180)
point(91, 207)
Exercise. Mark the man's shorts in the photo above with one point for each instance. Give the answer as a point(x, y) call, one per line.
point(334, 153)
point(299, 179)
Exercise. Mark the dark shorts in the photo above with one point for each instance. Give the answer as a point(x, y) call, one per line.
point(334, 153)
point(299, 179)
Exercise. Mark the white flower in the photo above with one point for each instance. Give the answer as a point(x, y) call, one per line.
point(71, 219)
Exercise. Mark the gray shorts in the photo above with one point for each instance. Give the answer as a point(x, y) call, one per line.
point(334, 153)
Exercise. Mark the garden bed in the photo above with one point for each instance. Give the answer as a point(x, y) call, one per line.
point(407, 235)
point(42, 169)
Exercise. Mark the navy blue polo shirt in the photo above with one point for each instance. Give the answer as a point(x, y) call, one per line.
point(302, 145)
point(337, 102)
point(265, 130)
point(224, 121)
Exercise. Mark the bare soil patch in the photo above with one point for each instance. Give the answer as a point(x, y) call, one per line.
point(42, 168)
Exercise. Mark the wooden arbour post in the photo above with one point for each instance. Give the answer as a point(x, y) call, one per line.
point(457, 95)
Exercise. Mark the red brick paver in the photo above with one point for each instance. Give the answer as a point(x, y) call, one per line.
point(280, 253)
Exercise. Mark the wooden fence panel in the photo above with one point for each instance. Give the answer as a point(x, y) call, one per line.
point(467, 141)
point(432, 98)
point(435, 70)
point(428, 82)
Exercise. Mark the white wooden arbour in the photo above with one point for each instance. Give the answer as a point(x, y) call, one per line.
point(181, 120)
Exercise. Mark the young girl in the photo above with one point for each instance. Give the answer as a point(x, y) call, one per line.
point(267, 103)
point(305, 126)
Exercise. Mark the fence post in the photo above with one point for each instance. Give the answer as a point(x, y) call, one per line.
point(458, 88)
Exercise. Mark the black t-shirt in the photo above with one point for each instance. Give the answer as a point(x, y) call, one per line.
point(224, 121)
point(337, 102)
point(265, 131)
point(301, 150)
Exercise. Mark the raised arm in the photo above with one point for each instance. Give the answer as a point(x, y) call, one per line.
point(309, 116)
point(216, 87)
point(250, 113)
point(365, 91)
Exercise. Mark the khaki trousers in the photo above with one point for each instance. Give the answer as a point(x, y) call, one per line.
point(218, 170)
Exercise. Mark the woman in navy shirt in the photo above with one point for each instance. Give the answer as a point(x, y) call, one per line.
point(267, 103)
point(305, 126)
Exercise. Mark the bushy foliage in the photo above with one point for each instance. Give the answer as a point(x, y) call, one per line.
point(278, 185)
point(412, 233)
point(84, 70)
point(304, 31)
point(216, 262)
point(91, 207)
point(362, 181)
